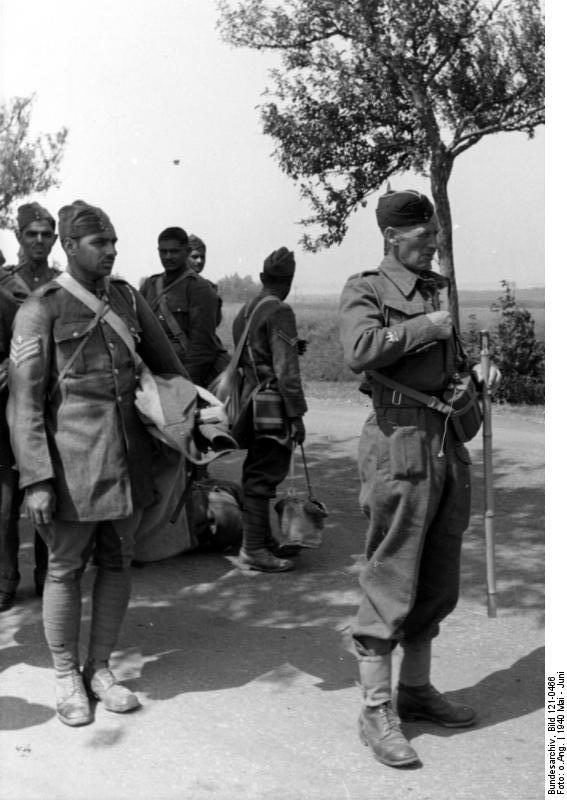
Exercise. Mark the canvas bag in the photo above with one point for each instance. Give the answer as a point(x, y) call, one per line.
point(301, 521)
point(227, 386)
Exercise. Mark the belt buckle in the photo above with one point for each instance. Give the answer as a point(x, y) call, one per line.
point(396, 397)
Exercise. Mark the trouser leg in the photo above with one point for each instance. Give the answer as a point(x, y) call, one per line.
point(415, 669)
point(70, 544)
point(10, 497)
point(41, 560)
point(111, 589)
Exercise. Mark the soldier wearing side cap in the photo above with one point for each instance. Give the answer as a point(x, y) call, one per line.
point(270, 359)
point(415, 481)
point(36, 236)
point(186, 305)
point(83, 455)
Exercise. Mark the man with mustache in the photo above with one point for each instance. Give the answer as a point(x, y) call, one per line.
point(36, 236)
point(415, 481)
point(82, 452)
point(186, 305)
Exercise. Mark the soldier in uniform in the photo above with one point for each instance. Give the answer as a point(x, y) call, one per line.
point(270, 359)
point(36, 236)
point(83, 454)
point(415, 481)
point(10, 496)
point(186, 305)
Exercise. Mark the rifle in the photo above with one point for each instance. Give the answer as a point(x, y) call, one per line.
point(488, 475)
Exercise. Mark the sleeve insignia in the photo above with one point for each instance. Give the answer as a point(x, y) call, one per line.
point(291, 340)
point(23, 349)
point(392, 336)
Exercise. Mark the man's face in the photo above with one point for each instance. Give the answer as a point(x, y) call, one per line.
point(415, 246)
point(37, 240)
point(172, 254)
point(92, 257)
point(196, 260)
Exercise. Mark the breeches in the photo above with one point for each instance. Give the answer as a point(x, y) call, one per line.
point(417, 501)
point(265, 467)
point(71, 544)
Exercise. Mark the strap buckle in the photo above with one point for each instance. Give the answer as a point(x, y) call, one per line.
point(397, 397)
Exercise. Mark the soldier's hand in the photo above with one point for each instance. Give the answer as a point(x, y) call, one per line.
point(4, 374)
point(297, 430)
point(442, 322)
point(494, 376)
point(39, 503)
point(301, 346)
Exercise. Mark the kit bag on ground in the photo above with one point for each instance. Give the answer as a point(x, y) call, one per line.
point(214, 508)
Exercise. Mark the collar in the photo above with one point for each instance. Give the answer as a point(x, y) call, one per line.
point(406, 279)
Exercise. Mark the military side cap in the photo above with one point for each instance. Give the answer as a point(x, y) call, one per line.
point(81, 219)
point(196, 244)
point(397, 209)
point(280, 264)
point(33, 212)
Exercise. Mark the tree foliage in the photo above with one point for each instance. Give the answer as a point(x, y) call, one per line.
point(27, 165)
point(372, 88)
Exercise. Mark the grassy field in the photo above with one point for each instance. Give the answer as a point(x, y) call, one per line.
point(317, 321)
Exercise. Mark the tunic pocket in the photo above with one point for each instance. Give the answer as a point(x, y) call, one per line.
point(407, 452)
point(68, 337)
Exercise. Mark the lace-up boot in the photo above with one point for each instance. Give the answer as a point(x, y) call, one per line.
point(425, 702)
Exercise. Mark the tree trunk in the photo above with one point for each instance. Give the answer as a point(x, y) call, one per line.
point(441, 166)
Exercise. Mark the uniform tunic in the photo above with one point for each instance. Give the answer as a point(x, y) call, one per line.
point(83, 433)
point(194, 305)
point(21, 281)
point(272, 359)
point(415, 483)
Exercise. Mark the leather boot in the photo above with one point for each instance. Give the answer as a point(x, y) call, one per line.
point(256, 538)
point(102, 685)
point(379, 728)
point(425, 702)
point(378, 724)
point(263, 561)
point(72, 704)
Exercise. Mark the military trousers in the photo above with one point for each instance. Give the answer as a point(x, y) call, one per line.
point(10, 499)
point(415, 491)
point(265, 467)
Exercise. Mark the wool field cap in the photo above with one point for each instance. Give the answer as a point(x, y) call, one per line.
point(33, 212)
point(398, 209)
point(81, 219)
point(280, 264)
point(196, 244)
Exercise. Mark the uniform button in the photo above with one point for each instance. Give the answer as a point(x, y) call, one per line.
point(111, 344)
point(116, 372)
point(119, 398)
point(75, 333)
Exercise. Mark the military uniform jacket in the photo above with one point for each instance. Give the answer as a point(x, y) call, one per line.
point(384, 327)
point(272, 344)
point(21, 282)
point(83, 433)
point(194, 305)
point(8, 308)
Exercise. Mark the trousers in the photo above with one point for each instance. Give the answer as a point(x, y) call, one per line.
point(415, 491)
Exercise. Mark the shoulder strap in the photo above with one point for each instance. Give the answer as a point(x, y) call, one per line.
point(73, 286)
point(161, 291)
point(170, 320)
point(242, 341)
point(427, 400)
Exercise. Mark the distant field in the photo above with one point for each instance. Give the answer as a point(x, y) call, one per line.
point(317, 321)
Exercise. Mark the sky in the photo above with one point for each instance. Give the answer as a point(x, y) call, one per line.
point(141, 86)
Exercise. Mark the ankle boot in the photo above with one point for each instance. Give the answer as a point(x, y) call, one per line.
point(378, 724)
point(379, 728)
point(102, 685)
point(257, 537)
point(72, 704)
point(425, 702)
point(263, 561)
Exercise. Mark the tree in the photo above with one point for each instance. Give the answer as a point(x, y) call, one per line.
point(372, 88)
point(27, 165)
point(235, 289)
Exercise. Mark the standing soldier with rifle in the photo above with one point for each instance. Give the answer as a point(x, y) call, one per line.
point(415, 477)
